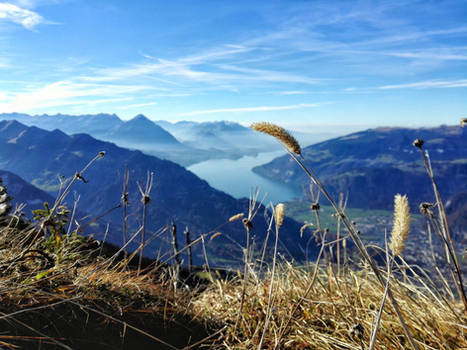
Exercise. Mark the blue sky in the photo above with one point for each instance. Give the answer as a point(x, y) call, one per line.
point(302, 64)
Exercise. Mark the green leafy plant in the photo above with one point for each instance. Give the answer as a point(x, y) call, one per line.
point(55, 222)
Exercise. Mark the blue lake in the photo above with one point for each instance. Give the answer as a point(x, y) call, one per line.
point(236, 178)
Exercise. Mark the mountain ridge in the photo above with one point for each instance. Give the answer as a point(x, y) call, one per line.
point(177, 193)
point(193, 142)
point(375, 164)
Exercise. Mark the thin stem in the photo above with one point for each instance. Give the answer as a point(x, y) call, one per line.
point(271, 285)
point(143, 234)
point(445, 230)
point(125, 205)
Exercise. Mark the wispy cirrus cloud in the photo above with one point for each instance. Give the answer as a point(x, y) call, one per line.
point(291, 92)
point(251, 109)
point(428, 84)
point(27, 18)
point(65, 93)
point(137, 105)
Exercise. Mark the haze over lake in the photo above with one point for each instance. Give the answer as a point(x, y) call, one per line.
point(236, 178)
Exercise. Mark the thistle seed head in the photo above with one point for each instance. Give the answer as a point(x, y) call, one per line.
point(280, 134)
point(401, 227)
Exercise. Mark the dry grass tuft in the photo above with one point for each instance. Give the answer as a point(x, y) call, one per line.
point(326, 316)
point(75, 279)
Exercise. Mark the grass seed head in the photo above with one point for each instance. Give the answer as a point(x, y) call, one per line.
point(236, 217)
point(279, 214)
point(280, 134)
point(401, 228)
point(217, 234)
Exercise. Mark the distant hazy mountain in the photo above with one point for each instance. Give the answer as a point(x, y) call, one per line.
point(95, 124)
point(142, 130)
point(219, 135)
point(137, 133)
point(374, 165)
point(185, 143)
point(39, 156)
point(24, 193)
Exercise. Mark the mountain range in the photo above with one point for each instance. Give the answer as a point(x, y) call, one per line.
point(185, 143)
point(24, 193)
point(40, 157)
point(374, 165)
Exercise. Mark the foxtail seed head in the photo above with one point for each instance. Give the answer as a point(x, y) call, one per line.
point(279, 214)
point(236, 217)
point(401, 228)
point(280, 134)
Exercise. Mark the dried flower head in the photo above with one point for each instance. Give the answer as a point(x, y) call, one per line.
point(463, 122)
point(145, 199)
point(279, 214)
point(425, 208)
point(418, 143)
point(236, 217)
point(125, 198)
point(102, 154)
point(247, 223)
point(315, 206)
point(401, 227)
point(280, 134)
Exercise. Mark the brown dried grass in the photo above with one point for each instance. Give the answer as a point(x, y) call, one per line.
point(326, 316)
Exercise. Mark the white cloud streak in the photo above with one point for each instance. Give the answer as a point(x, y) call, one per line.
point(28, 19)
point(137, 105)
point(65, 93)
point(251, 109)
point(428, 84)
